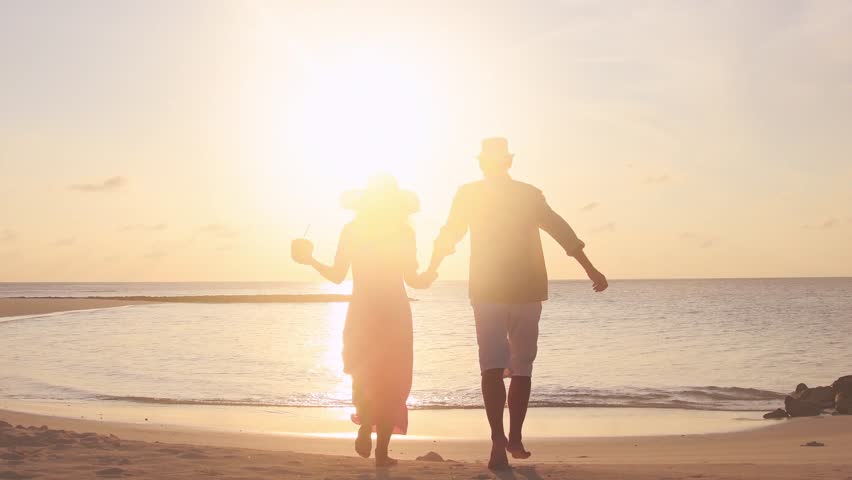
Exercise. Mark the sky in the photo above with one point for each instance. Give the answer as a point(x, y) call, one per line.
point(192, 140)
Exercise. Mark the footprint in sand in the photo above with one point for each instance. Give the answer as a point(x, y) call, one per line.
point(112, 460)
point(111, 472)
point(173, 451)
point(10, 475)
point(272, 470)
point(193, 456)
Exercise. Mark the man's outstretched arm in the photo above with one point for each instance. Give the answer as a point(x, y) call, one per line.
point(559, 229)
point(599, 283)
point(451, 234)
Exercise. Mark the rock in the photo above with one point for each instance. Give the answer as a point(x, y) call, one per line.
point(843, 385)
point(822, 396)
point(801, 388)
point(777, 413)
point(801, 408)
point(843, 403)
point(813, 444)
point(431, 457)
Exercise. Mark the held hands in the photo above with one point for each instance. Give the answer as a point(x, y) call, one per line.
point(599, 283)
point(302, 251)
point(423, 280)
point(427, 278)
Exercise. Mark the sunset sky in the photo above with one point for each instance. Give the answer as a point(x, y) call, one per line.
point(192, 140)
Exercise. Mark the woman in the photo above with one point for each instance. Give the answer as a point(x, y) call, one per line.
point(379, 244)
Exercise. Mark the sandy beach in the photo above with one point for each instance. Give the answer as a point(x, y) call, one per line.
point(16, 307)
point(37, 446)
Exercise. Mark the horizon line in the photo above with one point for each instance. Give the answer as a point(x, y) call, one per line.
point(5, 282)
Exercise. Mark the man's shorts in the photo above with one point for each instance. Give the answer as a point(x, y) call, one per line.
point(507, 335)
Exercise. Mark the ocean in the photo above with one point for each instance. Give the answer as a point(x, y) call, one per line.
point(732, 345)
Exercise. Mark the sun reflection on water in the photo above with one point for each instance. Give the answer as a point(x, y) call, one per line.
point(332, 358)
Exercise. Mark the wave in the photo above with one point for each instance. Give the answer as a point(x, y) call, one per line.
point(692, 398)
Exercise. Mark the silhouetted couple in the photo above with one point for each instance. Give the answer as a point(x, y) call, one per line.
point(508, 283)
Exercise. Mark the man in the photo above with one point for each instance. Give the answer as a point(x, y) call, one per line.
point(508, 282)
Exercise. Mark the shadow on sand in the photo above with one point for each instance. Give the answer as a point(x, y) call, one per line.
point(516, 473)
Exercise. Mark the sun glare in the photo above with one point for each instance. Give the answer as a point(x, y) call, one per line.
point(348, 117)
point(361, 115)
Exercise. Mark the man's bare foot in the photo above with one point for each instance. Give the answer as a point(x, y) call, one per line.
point(364, 442)
point(517, 450)
point(385, 462)
point(498, 460)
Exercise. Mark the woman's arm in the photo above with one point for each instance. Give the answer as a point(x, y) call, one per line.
point(420, 281)
point(333, 273)
point(412, 278)
point(303, 252)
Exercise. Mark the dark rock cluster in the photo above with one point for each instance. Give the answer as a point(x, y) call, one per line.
point(810, 402)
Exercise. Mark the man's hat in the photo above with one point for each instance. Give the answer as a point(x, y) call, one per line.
point(495, 148)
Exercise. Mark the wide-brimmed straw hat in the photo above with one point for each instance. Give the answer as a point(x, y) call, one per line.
point(495, 148)
point(382, 193)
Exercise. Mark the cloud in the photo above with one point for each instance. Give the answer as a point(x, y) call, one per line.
point(607, 227)
point(826, 225)
point(112, 183)
point(697, 239)
point(156, 227)
point(64, 242)
point(155, 254)
point(589, 207)
point(7, 236)
point(650, 180)
point(218, 230)
point(830, 223)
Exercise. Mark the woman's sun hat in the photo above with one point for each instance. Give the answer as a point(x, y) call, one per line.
point(382, 194)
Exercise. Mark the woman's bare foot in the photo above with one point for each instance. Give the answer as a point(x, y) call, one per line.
point(499, 460)
point(517, 450)
point(364, 442)
point(385, 461)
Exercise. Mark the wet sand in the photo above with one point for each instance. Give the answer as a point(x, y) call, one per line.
point(115, 450)
point(435, 424)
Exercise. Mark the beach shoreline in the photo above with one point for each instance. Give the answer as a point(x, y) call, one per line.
point(28, 306)
point(25, 306)
point(436, 424)
point(32, 306)
point(161, 451)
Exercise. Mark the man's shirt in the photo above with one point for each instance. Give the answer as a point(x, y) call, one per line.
point(506, 258)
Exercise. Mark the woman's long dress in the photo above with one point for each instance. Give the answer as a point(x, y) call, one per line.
point(377, 336)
